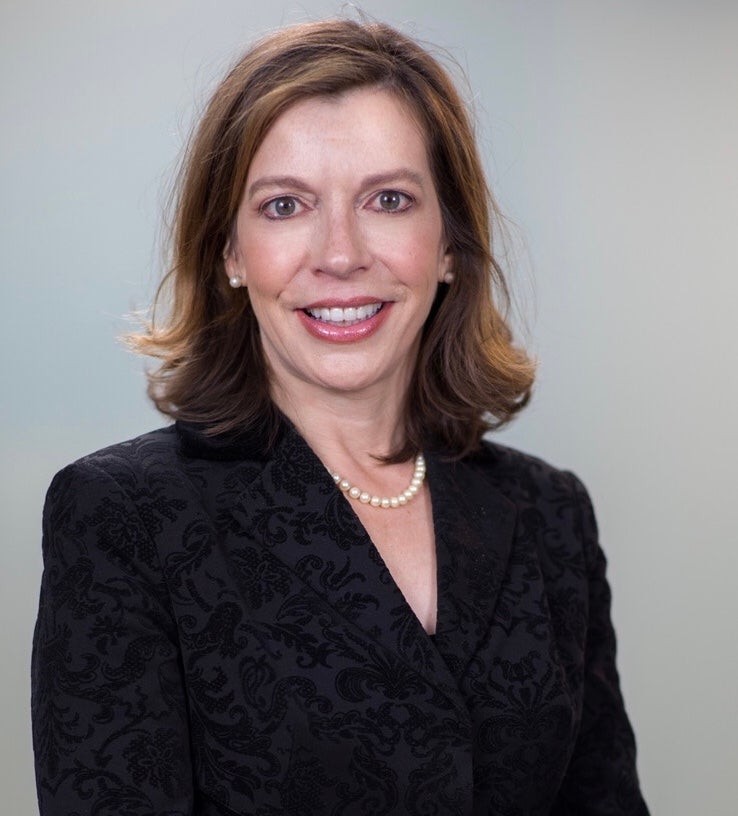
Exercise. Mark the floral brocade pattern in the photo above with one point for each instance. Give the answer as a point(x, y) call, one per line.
point(218, 635)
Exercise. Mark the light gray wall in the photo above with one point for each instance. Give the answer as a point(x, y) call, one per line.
point(610, 130)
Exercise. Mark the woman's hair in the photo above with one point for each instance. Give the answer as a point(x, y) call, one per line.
point(469, 376)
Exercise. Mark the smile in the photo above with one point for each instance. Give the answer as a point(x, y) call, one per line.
point(348, 316)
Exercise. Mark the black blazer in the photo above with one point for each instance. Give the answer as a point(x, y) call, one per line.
point(218, 635)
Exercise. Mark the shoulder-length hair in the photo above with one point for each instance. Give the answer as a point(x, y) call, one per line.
point(469, 376)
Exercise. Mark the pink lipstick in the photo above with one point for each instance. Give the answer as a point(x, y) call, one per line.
point(344, 321)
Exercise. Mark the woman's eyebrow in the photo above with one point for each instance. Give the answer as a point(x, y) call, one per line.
point(292, 182)
point(374, 180)
point(393, 176)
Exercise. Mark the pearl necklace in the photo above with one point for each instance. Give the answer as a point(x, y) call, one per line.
point(386, 503)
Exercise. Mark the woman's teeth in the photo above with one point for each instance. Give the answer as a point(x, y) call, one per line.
point(347, 316)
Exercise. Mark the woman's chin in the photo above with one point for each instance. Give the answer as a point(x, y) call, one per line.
point(343, 375)
point(357, 383)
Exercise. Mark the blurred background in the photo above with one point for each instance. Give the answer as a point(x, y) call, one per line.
point(610, 131)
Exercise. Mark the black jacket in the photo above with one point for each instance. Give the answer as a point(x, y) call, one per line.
point(218, 635)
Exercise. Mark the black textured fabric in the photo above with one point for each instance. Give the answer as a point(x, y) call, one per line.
point(218, 635)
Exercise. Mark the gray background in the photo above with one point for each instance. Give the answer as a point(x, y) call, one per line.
point(610, 130)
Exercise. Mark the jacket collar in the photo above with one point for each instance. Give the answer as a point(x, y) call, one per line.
point(194, 443)
point(291, 507)
point(474, 525)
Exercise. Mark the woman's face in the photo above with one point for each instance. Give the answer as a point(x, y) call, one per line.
point(339, 240)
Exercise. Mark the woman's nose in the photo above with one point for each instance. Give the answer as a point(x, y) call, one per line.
point(340, 247)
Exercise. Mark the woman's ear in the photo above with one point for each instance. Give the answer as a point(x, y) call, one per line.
point(228, 256)
point(445, 272)
point(230, 262)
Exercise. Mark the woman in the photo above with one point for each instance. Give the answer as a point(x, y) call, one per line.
point(320, 591)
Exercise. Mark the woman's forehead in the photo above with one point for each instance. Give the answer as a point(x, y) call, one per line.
point(369, 125)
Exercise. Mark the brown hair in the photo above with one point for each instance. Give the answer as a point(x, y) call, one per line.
point(469, 376)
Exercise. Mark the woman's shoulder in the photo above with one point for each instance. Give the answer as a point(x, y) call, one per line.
point(108, 507)
point(115, 478)
point(158, 447)
point(516, 472)
point(163, 473)
point(540, 491)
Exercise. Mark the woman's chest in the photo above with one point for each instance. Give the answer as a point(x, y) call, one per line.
point(405, 540)
point(303, 660)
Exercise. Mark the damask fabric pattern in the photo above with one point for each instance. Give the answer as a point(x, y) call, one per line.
point(218, 635)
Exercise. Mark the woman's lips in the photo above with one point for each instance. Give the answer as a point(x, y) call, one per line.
point(346, 323)
point(344, 316)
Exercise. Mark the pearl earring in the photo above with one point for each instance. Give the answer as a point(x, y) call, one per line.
point(235, 282)
point(449, 277)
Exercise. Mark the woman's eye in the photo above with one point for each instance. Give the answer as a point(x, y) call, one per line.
point(282, 207)
point(393, 201)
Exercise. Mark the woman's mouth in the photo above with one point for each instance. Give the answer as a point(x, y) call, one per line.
point(344, 324)
point(347, 316)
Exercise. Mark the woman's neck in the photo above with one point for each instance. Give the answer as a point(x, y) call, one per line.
point(356, 423)
point(350, 433)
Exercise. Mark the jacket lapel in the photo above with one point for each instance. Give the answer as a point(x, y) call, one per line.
point(292, 508)
point(474, 525)
point(295, 512)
